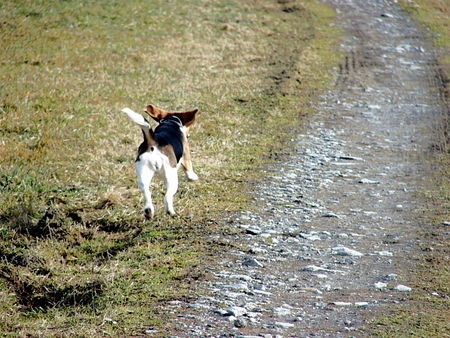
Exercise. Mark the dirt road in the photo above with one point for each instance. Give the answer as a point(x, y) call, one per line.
point(332, 244)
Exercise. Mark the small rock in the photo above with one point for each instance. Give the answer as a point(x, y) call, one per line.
point(344, 251)
point(222, 312)
point(238, 286)
point(330, 215)
point(261, 292)
point(240, 322)
point(314, 268)
point(249, 261)
point(311, 236)
point(281, 311)
point(380, 285)
point(387, 15)
point(284, 325)
point(367, 181)
point(341, 303)
point(151, 331)
point(402, 288)
point(236, 311)
point(110, 320)
point(241, 277)
point(253, 230)
point(362, 304)
point(350, 158)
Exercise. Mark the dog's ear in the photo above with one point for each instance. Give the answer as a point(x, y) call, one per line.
point(156, 113)
point(187, 117)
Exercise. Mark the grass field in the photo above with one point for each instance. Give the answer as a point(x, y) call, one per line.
point(76, 256)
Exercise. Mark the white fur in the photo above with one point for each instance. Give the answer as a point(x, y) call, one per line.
point(191, 175)
point(149, 164)
point(154, 162)
point(136, 118)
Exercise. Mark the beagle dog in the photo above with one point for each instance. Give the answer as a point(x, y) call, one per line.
point(162, 152)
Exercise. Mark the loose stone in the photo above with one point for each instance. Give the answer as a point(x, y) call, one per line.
point(385, 253)
point(344, 251)
point(284, 325)
point(380, 285)
point(236, 311)
point(252, 262)
point(281, 311)
point(402, 288)
point(341, 303)
point(253, 230)
point(367, 181)
point(330, 215)
point(362, 304)
point(240, 322)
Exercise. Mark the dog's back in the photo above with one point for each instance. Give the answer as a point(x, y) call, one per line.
point(168, 134)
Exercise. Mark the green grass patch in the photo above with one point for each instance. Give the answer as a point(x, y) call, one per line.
point(76, 256)
point(434, 16)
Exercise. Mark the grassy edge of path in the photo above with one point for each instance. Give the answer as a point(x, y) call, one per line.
point(427, 313)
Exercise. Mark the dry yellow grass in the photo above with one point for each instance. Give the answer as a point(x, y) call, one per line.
point(73, 244)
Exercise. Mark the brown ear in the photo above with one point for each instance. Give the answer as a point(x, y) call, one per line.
point(156, 113)
point(187, 117)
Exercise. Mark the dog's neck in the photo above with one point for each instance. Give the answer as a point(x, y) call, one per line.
point(174, 119)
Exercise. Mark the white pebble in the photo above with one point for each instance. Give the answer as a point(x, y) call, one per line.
point(380, 285)
point(284, 325)
point(281, 311)
point(236, 311)
point(362, 304)
point(403, 288)
point(341, 303)
point(367, 181)
point(344, 251)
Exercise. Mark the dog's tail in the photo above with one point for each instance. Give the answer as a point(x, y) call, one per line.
point(141, 122)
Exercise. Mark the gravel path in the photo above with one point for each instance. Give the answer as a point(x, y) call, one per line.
point(331, 245)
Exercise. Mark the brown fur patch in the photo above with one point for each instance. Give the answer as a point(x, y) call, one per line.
point(187, 117)
point(186, 159)
point(168, 151)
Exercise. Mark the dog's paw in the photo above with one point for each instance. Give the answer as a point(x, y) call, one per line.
point(149, 213)
point(191, 176)
point(171, 213)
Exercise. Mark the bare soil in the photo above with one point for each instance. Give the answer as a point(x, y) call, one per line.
point(333, 245)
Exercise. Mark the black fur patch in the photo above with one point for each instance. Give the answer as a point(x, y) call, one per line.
point(168, 133)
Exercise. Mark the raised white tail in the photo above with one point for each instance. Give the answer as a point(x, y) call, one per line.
point(136, 118)
point(141, 122)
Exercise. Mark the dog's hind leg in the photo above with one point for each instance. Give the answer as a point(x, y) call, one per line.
point(144, 176)
point(187, 163)
point(171, 178)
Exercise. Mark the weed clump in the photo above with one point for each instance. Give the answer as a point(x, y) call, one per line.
point(35, 295)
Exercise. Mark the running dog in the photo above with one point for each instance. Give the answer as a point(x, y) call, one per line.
point(162, 152)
